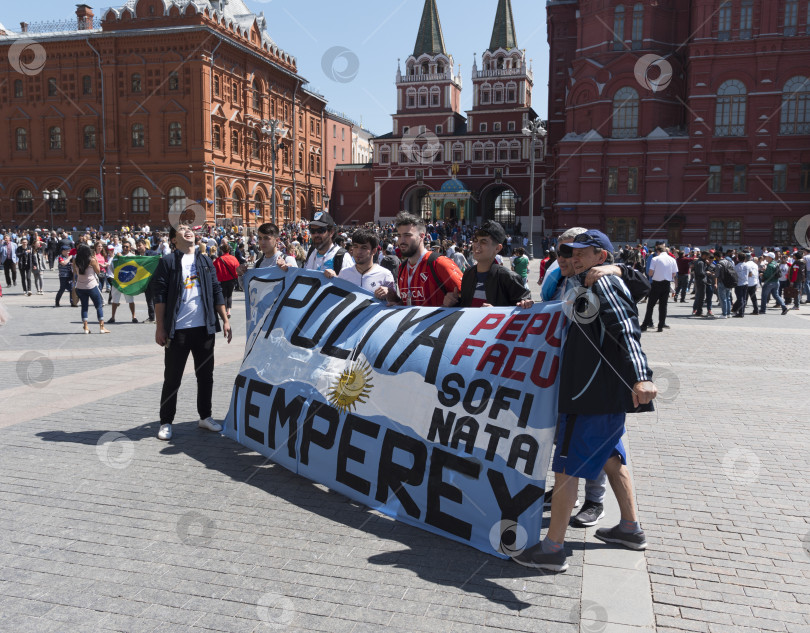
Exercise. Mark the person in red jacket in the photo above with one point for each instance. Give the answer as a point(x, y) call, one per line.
point(227, 267)
point(424, 279)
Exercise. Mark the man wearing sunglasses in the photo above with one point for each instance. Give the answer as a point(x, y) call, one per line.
point(604, 375)
point(324, 255)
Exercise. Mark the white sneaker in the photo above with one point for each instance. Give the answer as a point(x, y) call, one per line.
point(208, 423)
point(165, 432)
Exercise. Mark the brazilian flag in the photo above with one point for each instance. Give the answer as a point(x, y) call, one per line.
point(131, 274)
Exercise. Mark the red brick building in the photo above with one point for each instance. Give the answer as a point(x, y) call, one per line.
point(439, 163)
point(684, 121)
point(127, 113)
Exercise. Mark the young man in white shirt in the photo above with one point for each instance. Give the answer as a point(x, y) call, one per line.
point(326, 256)
point(268, 244)
point(188, 299)
point(365, 273)
point(663, 271)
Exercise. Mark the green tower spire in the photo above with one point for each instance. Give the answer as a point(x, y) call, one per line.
point(430, 39)
point(503, 32)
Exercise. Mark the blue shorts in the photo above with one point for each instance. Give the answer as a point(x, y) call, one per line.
point(586, 442)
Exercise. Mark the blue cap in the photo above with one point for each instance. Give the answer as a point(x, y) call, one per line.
point(592, 238)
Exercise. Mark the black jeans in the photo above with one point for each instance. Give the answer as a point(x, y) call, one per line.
point(65, 283)
point(200, 344)
point(11, 272)
point(680, 289)
point(752, 295)
point(700, 296)
point(150, 302)
point(25, 278)
point(227, 292)
point(659, 293)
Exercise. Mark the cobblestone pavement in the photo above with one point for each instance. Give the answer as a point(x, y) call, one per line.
point(108, 529)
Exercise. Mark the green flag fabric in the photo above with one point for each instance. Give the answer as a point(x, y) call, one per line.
point(131, 274)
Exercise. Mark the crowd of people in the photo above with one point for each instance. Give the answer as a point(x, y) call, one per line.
point(410, 263)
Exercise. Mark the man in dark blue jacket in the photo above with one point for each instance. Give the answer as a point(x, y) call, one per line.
point(604, 375)
point(188, 298)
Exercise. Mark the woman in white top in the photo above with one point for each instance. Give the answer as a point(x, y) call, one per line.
point(85, 269)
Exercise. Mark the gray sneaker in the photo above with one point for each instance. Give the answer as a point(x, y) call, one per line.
point(589, 515)
point(535, 557)
point(635, 541)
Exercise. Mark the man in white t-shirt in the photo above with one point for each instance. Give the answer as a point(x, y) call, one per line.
point(326, 256)
point(268, 244)
point(365, 273)
point(663, 271)
point(188, 300)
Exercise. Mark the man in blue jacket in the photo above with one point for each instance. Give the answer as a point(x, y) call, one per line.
point(604, 375)
point(188, 298)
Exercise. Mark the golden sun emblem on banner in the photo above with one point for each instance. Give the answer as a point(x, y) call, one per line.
point(353, 385)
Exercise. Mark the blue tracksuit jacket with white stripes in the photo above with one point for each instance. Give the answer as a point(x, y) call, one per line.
point(602, 355)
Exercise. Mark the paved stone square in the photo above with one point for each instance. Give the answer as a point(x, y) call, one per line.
point(109, 529)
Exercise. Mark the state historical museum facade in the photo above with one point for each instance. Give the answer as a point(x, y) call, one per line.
point(152, 103)
point(680, 121)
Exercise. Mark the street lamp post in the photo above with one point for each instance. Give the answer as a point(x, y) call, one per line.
point(326, 200)
point(277, 131)
point(50, 200)
point(534, 129)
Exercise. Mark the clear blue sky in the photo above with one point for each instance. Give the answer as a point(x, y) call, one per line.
point(375, 33)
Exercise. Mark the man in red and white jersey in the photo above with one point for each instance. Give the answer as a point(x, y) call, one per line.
point(424, 277)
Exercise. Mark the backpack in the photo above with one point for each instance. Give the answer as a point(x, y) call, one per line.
point(391, 262)
point(337, 261)
point(431, 267)
point(728, 274)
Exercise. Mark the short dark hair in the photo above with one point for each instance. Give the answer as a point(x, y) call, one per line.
point(409, 219)
point(225, 247)
point(366, 236)
point(268, 228)
point(173, 230)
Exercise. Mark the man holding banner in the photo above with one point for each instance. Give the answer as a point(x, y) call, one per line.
point(604, 375)
point(188, 298)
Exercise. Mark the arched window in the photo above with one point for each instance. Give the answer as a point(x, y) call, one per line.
point(478, 152)
point(255, 144)
point(504, 211)
point(177, 196)
point(89, 136)
point(489, 152)
point(425, 68)
point(136, 82)
point(729, 119)
point(92, 200)
point(411, 98)
point(175, 134)
point(435, 95)
point(498, 93)
point(219, 203)
point(256, 96)
point(638, 25)
point(486, 94)
point(796, 106)
point(140, 200)
point(87, 85)
point(258, 206)
point(216, 85)
point(55, 137)
point(25, 201)
point(22, 138)
point(503, 152)
point(237, 204)
point(514, 151)
point(385, 156)
point(423, 97)
point(618, 28)
point(234, 142)
point(511, 92)
point(174, 80)
point(18, 88)
point(61, 201)
point(217, 137)
point(440, 68)
point(625, 113)
point(138, 136)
